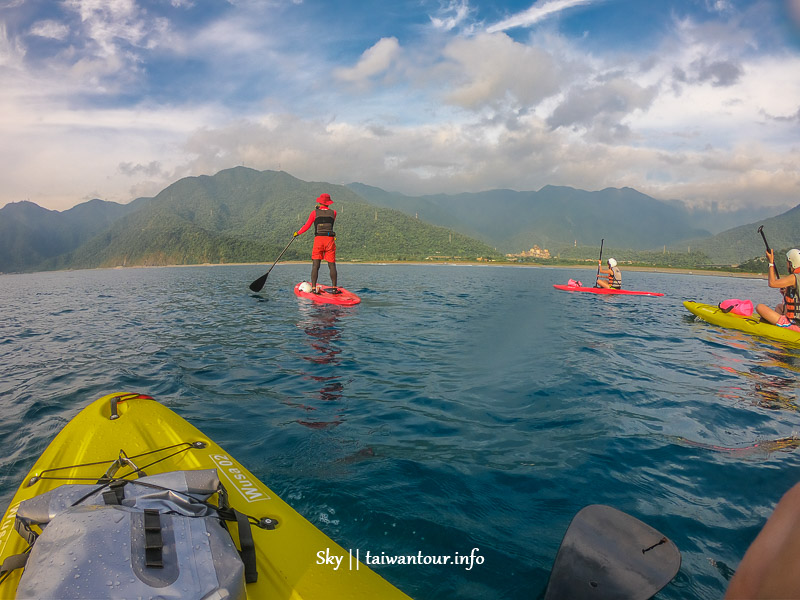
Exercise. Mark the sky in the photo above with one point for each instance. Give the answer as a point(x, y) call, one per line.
point(694, 100)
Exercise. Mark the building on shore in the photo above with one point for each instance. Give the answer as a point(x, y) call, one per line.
point(534, 252)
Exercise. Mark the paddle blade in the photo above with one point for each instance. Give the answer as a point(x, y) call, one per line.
point(259, 283)
point(608, 554)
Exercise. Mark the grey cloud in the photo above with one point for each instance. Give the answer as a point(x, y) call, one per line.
point(493, 70)
point(675, 159)
point(609, 102)
point(792, 118)
point(721, 73)
point(152, 169)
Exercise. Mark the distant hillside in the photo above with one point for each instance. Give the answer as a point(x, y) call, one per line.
point(744, 243)
point(716, 221)
point(553, 218)
point(243, 215)
point(30, 234)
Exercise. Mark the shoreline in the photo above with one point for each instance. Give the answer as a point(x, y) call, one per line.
point(586, 267)
point(666, 270)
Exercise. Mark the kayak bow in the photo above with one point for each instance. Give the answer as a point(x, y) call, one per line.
point(90, 450)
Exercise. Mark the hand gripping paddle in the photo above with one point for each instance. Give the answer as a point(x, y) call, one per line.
point(607, 554)
point(763, 237)
point(599, 260)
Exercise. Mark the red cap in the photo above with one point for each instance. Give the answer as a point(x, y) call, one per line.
point(324, 199)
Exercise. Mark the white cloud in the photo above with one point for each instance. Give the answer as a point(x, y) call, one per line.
point(374, 61)
point(106, 22)
point(536, 13)
point(452, 16)
point(233, 36)
point(50, 29)
point(11, 51)
point(103, 60)
point(493, 70)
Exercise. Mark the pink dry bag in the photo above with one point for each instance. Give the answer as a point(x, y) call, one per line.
point(737, 307)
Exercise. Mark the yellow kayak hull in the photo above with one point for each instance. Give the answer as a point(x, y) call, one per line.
point(287, 556)
point(752, 325)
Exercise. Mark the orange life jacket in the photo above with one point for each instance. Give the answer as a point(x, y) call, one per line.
point(615, 278)
point(791, 299)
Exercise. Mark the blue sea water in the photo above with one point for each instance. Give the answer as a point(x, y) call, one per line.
point(455, 408)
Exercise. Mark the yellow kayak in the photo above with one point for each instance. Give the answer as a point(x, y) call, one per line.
point(118, 444)
point(752, 325)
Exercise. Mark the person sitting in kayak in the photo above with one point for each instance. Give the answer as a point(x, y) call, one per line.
point(323, 218)
point(787, 312)
point(614, 276)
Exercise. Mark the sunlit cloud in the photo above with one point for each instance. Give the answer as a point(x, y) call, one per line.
point(536, 13)
point(374, 61)
point(493, 70)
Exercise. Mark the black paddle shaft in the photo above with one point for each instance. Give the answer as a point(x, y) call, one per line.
point(259, 283)
point(599, 260)
point(775, 265)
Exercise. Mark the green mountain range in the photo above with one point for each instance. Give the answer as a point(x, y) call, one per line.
point(743, 243)
point(553, 218)
point(243, 215)
point(237, 215)
point(30, 234)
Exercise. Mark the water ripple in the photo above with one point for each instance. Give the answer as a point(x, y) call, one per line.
point(454, 408)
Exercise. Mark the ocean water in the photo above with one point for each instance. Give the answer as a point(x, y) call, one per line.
point(456, 410)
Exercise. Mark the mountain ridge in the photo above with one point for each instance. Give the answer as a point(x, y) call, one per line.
point(244, 215)
point(554, 217)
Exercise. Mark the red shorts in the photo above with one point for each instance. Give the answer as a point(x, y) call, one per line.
point(324, 248)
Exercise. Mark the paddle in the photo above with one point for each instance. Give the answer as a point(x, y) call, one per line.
point(761, 231)
point(259, 283)
point(608, 554)
point(599, 260)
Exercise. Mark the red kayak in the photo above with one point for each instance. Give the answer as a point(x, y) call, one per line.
point(597, 290)
point(343, 298)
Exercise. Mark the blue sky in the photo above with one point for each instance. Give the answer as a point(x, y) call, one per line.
point(696, 100)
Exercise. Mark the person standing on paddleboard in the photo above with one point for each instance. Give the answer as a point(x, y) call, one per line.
point(614, 279)
point(322, 218)
point(787, 312)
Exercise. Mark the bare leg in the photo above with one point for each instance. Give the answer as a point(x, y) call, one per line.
point(769, 314)
point(314, 273)
point(603, 283)
point(332, 269)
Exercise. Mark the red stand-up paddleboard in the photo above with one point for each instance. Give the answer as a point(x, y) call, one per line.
point(592, 290)
point(344, 298)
